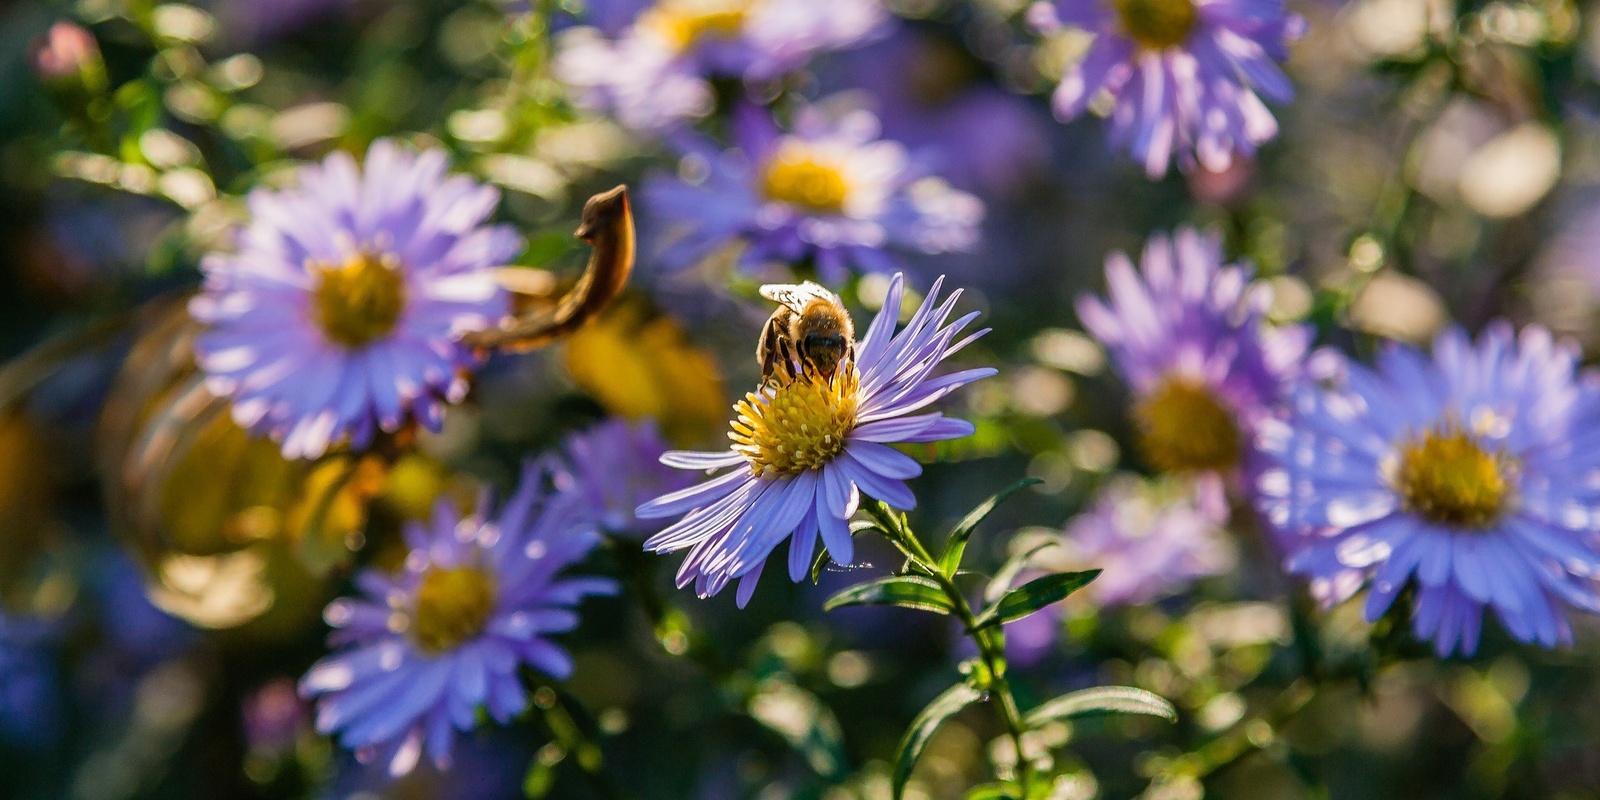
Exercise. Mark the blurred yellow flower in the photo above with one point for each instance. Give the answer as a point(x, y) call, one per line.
point(638, 363)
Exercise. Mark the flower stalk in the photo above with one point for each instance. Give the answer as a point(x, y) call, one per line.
point(989, 639)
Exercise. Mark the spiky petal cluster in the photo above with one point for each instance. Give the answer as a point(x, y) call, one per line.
point(1466, 478)
point(423, 649)
point(339, 313)
point(734, 521)
point(1190, 337)
point(1184, 78)
point(831, 193)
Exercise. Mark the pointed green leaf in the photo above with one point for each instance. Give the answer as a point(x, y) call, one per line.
point(956, 546)
point(1001, 583)
point(906, 591)
point(922, 729)
point(994, 791)
point(1102, 700)
point(804, 721)
point(1034, 595)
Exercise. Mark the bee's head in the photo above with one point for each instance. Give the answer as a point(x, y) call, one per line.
point(602, 210)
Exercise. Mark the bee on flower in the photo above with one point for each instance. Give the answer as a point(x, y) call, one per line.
point(807, 445)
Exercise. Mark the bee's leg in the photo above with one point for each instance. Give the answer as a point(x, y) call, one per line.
point(769, 348)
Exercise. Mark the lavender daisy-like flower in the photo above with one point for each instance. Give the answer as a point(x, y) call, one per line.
point(1467, 478)
point(1148, 541)
point(615, 466)
point(423, 649)
point(805, 448)
point(831, 192)
point(1179, 77)
point(656, 72)
point(339, 314)
point(1189, 336)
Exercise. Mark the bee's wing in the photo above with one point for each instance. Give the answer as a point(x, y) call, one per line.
point(797, 295)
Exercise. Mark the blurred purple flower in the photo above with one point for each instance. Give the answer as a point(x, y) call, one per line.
point(615, 466)
point(423, 649)
point(339, 315)
point(928, 96)
point(805, 449)
point(654, 74)
point(30, 690)
point(1182, 75)
point(1468, 477)
point(274, 717)
point(832, 192)
point(253, 22)
point(1190, 337)
point(1148, 542)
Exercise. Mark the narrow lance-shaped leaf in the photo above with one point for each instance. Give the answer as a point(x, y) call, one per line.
point(1001, 583)
point(1034, 595)
point(1102, 700)
point(906, 591)
point(956, 546)
point(922, 729)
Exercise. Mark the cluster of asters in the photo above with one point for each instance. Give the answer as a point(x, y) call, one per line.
point(1461, 480)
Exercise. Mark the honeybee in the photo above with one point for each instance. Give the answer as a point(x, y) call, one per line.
point(810, 324)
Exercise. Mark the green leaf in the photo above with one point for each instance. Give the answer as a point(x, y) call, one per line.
point(1034, 595)
point(994, 791)
point(906, 591)
point(922, 729)
point(804, 721)
point(956, 545)
point(1009, 571)
point(1102, 700)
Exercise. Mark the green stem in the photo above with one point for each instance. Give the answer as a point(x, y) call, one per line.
point(991, 646)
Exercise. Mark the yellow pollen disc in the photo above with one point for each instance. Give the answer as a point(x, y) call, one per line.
point(801, 178)
point(1157, 24)
point(1183, 426)
point(685, 23)
point(360, 300)
point(452, 606)
point(796, 425)
point(1447, 477)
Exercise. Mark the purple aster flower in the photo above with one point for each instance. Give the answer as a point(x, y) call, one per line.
point(339, 315)
point(423, 649)
point(654, 74)
point(1189, 336)
point(1149, 542)
point(615, 466)
point(804, 449)
point(1468, 478)
point(30, 694)
point(1179, 76)
point(832, 193)
point(926, 90)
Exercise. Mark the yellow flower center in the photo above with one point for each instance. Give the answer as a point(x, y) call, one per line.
point(1447, 477)
point(452, 606)
point(360, 300)
point(684, 23)
point(799, 177)
point(796, 425)
point(1157, 24)
point(1183, 426)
